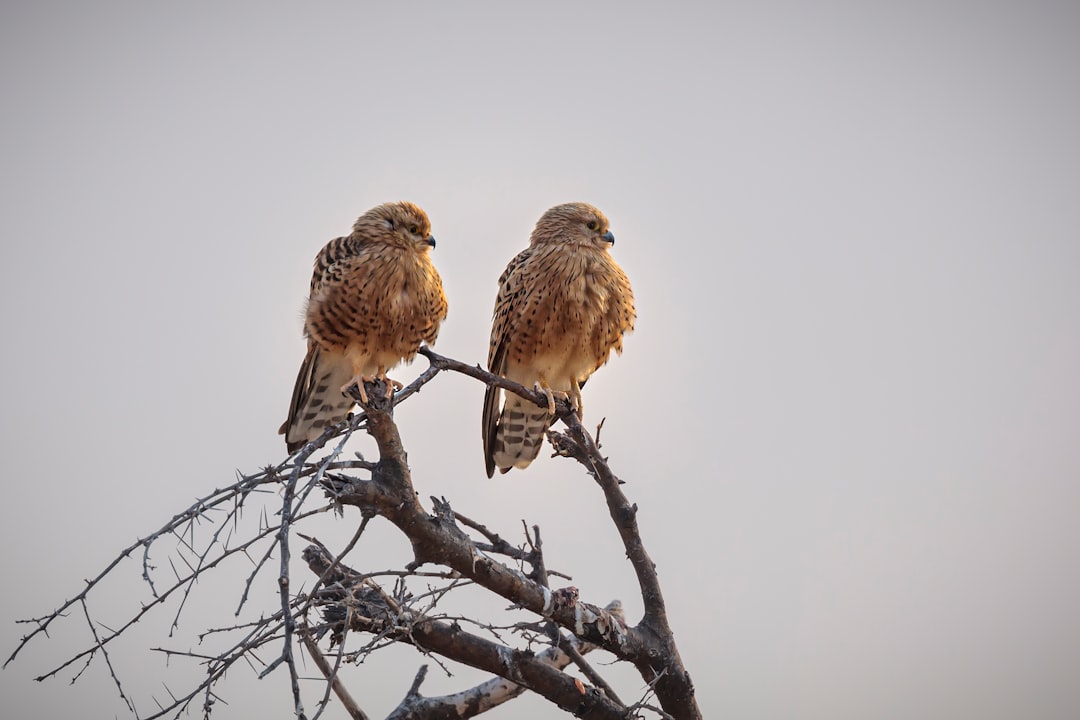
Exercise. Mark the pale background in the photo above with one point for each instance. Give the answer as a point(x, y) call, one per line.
point(850, 412)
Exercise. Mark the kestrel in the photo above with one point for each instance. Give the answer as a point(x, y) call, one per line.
point(563, 306)
point(375, 296)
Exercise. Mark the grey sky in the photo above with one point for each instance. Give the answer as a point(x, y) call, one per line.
point(850, 412)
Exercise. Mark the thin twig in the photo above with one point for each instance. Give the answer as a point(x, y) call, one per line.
point(536, 556)
point(108, 662)
point(566, 644)
point(331, 674)
point(283, 585)
point(336, 562)
point(403, 616)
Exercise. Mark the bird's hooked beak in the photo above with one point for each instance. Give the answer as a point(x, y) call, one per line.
point(608, 238)
point(430, 240)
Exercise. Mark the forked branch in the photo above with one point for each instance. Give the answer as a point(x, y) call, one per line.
point(353, 608)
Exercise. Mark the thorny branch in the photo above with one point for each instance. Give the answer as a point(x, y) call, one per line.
point(331, 675)
point(283, 585)
point(344, 605)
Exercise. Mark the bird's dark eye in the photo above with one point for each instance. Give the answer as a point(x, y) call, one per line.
point(592, 225)
point(413, 229)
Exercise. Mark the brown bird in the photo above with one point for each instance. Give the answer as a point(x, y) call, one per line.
point(563, 306)
point(375, 296)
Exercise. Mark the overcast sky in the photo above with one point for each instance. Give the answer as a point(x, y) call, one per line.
point(850, 412)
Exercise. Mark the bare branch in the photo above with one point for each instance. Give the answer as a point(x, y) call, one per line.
point(568, 645)
point(439, 540)
point(108, 662)
point(650, 645)
point(673, 686)
point(212, 500)
point(378, 613)
point(283, 585)
point(536, 556)
point(353, 602)
point(475, 371)
point(331, 674)
point(490, 694)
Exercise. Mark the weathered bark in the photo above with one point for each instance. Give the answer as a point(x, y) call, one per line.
point(362, 606)
point(437, 539)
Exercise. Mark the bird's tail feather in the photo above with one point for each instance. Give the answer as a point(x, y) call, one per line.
point(317, 400)
point(520, 433)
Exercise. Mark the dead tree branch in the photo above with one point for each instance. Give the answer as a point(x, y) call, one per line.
point(354, 613)
point(331, 674)
point(668, 675)
point(360, 605)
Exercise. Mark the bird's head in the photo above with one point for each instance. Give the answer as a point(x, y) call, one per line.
point(398, 223)
point(578, 223)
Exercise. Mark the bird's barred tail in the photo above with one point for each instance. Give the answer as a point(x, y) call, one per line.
point(317, 401)
point(519, 434)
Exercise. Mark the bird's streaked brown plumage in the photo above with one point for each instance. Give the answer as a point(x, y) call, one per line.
point(375, 297)
point(563, 306)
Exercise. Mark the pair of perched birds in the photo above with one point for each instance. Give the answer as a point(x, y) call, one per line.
point(563, 306)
